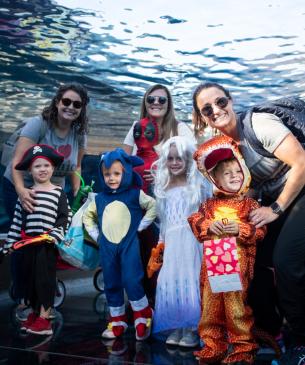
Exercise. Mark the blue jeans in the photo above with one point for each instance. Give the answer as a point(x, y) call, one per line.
point(16, 258)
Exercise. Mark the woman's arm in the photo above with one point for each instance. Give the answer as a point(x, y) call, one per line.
point(75, 180)
point(25, 195)
point(291, 152)
point(129, 141)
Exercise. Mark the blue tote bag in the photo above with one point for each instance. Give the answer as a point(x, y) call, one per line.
point(77, 248)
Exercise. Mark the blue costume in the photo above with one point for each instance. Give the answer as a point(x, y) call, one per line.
point(120, 216)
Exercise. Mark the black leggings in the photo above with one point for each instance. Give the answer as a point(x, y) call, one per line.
point(289, 264)
point(284, 249)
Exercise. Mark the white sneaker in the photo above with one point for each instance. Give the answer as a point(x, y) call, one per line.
point(189, 338)
point(108, 334)
point(175, 337)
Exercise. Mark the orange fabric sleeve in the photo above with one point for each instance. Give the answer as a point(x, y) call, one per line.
point(201, 221)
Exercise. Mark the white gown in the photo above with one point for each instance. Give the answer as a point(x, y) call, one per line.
point(178, 296)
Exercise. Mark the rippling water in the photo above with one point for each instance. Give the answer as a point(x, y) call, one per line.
point(118, 48)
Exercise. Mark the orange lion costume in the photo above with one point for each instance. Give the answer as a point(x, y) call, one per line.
point(226, 319)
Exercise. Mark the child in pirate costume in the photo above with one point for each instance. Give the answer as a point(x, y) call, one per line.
point(113, 220)
point(48, 225)
point(226, 319)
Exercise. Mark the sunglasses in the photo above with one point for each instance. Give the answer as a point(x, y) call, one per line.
point(76, 103)
point(221, 103)
point(160, 99)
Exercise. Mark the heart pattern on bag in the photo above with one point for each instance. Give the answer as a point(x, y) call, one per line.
point(221, 256)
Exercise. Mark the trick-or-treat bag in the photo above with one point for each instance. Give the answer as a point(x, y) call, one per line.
point(77, 248)
point(221, 257)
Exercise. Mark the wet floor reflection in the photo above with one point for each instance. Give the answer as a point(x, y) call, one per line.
point(77, 337)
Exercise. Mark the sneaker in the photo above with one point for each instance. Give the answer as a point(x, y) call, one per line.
point(293, 356)
point(143, 322)
point(22, 313)
point(189, 339)
point(53, 313)
point(174, 338)
point(30, 320)
point(41, 326)
point(117, 326)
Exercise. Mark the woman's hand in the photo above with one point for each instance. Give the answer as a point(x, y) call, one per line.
point(26, 197)
point(261, 216)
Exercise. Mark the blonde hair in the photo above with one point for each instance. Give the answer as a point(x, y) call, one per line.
point(169, 124)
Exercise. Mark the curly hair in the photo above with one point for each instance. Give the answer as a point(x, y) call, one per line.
point(50, 113)
point(198, 122)
point(169, 125)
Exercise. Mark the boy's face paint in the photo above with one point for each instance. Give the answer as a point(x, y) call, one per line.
point(113, 175)
point(41, 170)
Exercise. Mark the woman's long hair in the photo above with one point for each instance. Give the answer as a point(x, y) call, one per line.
point(169, 124)
point(198, 122)
point(50, 113)
point(195, 183)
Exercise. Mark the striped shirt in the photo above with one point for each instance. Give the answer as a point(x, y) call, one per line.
point(52, 215)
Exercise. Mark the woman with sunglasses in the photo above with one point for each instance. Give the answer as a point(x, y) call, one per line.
point(157, 105)
point(279, 183)
point(157, 111)
point(62, 125)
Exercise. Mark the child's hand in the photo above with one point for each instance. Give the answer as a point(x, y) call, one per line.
point(147, 176)
point(217, 228)
point(231, 228)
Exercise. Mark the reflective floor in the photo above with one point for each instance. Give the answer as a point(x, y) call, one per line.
point(76, 339)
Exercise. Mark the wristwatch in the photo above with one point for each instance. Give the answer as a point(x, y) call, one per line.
point(276, 208)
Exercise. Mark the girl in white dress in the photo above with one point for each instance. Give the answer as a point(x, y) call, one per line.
point(179, 190)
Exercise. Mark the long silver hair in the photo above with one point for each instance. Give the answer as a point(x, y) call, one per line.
point(195, 186)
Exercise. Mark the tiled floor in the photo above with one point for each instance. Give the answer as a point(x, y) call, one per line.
point(77, 340)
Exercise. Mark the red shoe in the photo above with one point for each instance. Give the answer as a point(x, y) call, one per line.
point(117, 326)
point(143, 322)
point(29, 321)
point(41, 326)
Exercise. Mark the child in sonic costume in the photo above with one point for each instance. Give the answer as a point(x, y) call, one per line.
point(113, 220)
point(226, 319)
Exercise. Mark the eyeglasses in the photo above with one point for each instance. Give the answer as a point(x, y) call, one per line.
point(208, 111)
point(160, 99)
point(76, 103)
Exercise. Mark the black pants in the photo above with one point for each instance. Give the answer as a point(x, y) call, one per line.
point(289, 264)
point(148, 239)
point(40, 267)
point(283, 248)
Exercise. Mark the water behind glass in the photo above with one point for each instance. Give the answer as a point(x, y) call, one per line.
point(117, 49)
